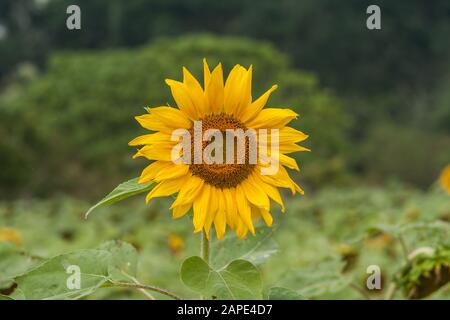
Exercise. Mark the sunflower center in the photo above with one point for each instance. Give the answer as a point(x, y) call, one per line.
point(223, 175)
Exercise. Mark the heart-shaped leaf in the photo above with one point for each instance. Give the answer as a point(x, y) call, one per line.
point(76, 274)
point(255, 249)
point(238, 280)
point(12, 263)
point(318, 279)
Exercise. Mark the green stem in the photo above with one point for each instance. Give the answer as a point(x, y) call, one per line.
point(143, 291)
point(147, 287)
point(204, 252)
point(404, 248)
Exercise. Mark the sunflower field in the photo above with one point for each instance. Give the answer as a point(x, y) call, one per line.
point(319, 249)
point(102, 198)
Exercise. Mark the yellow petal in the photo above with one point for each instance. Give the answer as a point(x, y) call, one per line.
point(272, 118)
point(244, 208)
point(181, 96)
point(252, 111)
point(230, 205)
point(149, 173)
point(189, 191)
point(233, 89)
point(271, 191)
point(287, 136)
point(157, 137)
point(163, 170)
point(246, 93)
point(215, 90)
point(206, 73)
point(172, 171)
point(280, 179)
point(171, 117)
point(255, 194)
point(267, 217)
point(241, 229)
point(166, 188)
point(212, 210)
point(291, 135)
point(195, 92)
point(157, 151)
point(288, 162)
point(220, 218)
point(201, 207)
point(298, 189)
point(152, 122)
point(180, 211)
point(291, 147)
point(220, 224)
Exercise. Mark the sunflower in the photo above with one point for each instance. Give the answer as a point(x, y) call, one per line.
point(231, 194)
point(445, 178)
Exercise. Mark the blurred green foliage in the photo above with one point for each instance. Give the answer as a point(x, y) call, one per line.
point(412, 155)
point(325, 36)
point(376, 105)
point(325, 240)
point(74, 122)
point(381, 106)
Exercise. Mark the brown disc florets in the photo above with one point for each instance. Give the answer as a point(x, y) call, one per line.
point(224, 175)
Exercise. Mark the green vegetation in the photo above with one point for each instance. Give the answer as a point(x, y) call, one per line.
point(379, 83)
point(77, 118)
point(319, 249)
point(376, 105)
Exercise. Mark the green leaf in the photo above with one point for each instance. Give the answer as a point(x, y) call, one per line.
point(49, 280)
point(96, 267)
point(12, 263)
point(239, 280)
point(122, 191)
point(280, 293)
point(2, 297)
point(124, 260)
point(255, 249)
point(432, 233)
point(318, 279)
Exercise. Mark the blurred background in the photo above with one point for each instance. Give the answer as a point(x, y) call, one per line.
point(376, 104)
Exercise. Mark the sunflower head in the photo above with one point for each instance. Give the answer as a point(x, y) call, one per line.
point(445, 178)
point(233, 153)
